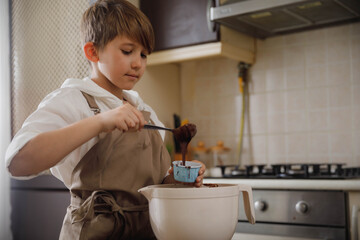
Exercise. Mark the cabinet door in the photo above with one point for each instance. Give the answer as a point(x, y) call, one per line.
point(179, 23)
point(37, 214)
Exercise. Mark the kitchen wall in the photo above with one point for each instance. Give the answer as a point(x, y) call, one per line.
point(304, 99)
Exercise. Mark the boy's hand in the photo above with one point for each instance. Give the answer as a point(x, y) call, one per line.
point(124, 118)
point(198, 181)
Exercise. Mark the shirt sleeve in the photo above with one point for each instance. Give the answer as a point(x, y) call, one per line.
point(59, 109)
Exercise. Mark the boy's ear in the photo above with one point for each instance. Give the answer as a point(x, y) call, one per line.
point(91, 52)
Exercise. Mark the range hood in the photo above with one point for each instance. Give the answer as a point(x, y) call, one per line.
point(266, 18)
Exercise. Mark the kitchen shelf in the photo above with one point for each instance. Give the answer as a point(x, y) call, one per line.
point(233, 45)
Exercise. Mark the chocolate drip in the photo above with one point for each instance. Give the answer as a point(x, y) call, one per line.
point(184, 134)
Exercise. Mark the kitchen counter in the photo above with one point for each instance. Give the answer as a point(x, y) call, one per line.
point(297, 184)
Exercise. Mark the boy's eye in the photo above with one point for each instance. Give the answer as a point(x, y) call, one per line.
point(143, 55)
point(126, 52)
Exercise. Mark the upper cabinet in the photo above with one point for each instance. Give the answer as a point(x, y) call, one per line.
point(184, 32)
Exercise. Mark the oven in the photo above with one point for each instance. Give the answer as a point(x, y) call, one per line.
point(294, 213)
point(281, 214)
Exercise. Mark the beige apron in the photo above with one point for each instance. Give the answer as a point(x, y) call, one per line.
point(105, 203)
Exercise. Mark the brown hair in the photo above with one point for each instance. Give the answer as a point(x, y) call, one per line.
point(107, 19)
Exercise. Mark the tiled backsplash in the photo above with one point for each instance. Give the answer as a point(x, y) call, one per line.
point(304, 99)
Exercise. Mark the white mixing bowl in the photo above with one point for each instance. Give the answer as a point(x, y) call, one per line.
point(183, 212)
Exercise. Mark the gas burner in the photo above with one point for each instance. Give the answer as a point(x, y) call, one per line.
point(292, 171)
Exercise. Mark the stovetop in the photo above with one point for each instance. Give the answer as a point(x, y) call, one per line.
point(291, 171)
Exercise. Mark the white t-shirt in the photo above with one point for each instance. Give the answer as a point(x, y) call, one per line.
point(65, 106)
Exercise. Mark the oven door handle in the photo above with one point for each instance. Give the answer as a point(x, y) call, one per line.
point(354, 222)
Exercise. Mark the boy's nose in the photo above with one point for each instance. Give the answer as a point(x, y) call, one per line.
point(136, 62)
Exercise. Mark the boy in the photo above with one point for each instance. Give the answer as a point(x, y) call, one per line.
point(89, 132)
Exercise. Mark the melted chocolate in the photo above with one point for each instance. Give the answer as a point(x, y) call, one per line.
point(184, 134)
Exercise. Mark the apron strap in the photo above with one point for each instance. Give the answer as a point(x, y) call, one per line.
point(99, 202)
point(91, 102)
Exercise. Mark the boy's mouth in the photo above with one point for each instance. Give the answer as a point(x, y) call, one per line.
point(132, 76)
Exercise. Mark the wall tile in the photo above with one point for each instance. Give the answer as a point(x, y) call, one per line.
point(340, 96)
point(355, 71)
point(340, 144)
point(295, 78)
point(315, 54)
point(316, 76)
point(296, 121)
point(340, 119)
point(275, 102)
point(338, 50)
point(294, 56)
point(318, 120)
point(317, 98)
point(276, 123)
point(275, 80)
point(304, 99)
point(297, 145)
point(319, 144)
point(295, 100)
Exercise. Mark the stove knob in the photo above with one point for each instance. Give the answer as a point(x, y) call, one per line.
point(260, 205)
point(302, 207)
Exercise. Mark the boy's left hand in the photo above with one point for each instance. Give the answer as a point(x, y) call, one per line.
point(199, 180)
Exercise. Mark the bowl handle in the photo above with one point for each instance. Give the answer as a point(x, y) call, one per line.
point(248, 202)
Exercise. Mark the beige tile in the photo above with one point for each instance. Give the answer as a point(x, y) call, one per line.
point(315, 36)
point(274, 42)
point(318, 120)
point(295, 78)
point(341, 144)
point(355, 29)
point(259, 146)
point(318, 144)
point(316, 76)
point(258, 123)
point(295, 38)
point(340, 119)
point(356, 95)
point(294, 56)
point(275, 58)
point(317, 98)
point(258, 104)
point(336, 32)
point(356, 118)
point(275, 102)
point(275, 80)
point(315, 54)
point(296, 121)
point(355, 70)
point(295, 100)
point(356, 143)
point(276, 146)
point(355, 47)
point(340, 96)
point(339, 74)
point(276, 123)
point(297, 144)
point(322, 159)
point(338, 50)
point(257, 82)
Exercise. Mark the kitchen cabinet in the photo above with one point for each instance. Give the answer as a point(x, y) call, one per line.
point(183, 32)
point(38, 207)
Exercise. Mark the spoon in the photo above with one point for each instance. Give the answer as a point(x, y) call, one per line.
point(149, 126)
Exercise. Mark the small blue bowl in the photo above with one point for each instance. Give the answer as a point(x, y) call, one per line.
point(187, 173)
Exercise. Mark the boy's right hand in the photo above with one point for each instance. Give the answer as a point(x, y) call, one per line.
point(124, 118)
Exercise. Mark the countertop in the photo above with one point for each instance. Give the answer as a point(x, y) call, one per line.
point(295, 184)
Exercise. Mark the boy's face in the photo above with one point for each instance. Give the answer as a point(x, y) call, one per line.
point(122, 62)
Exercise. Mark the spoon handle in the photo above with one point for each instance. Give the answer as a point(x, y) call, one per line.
point(149, 126)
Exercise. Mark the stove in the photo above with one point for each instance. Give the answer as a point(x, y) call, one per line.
point(286, 213)
point(291, 171)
